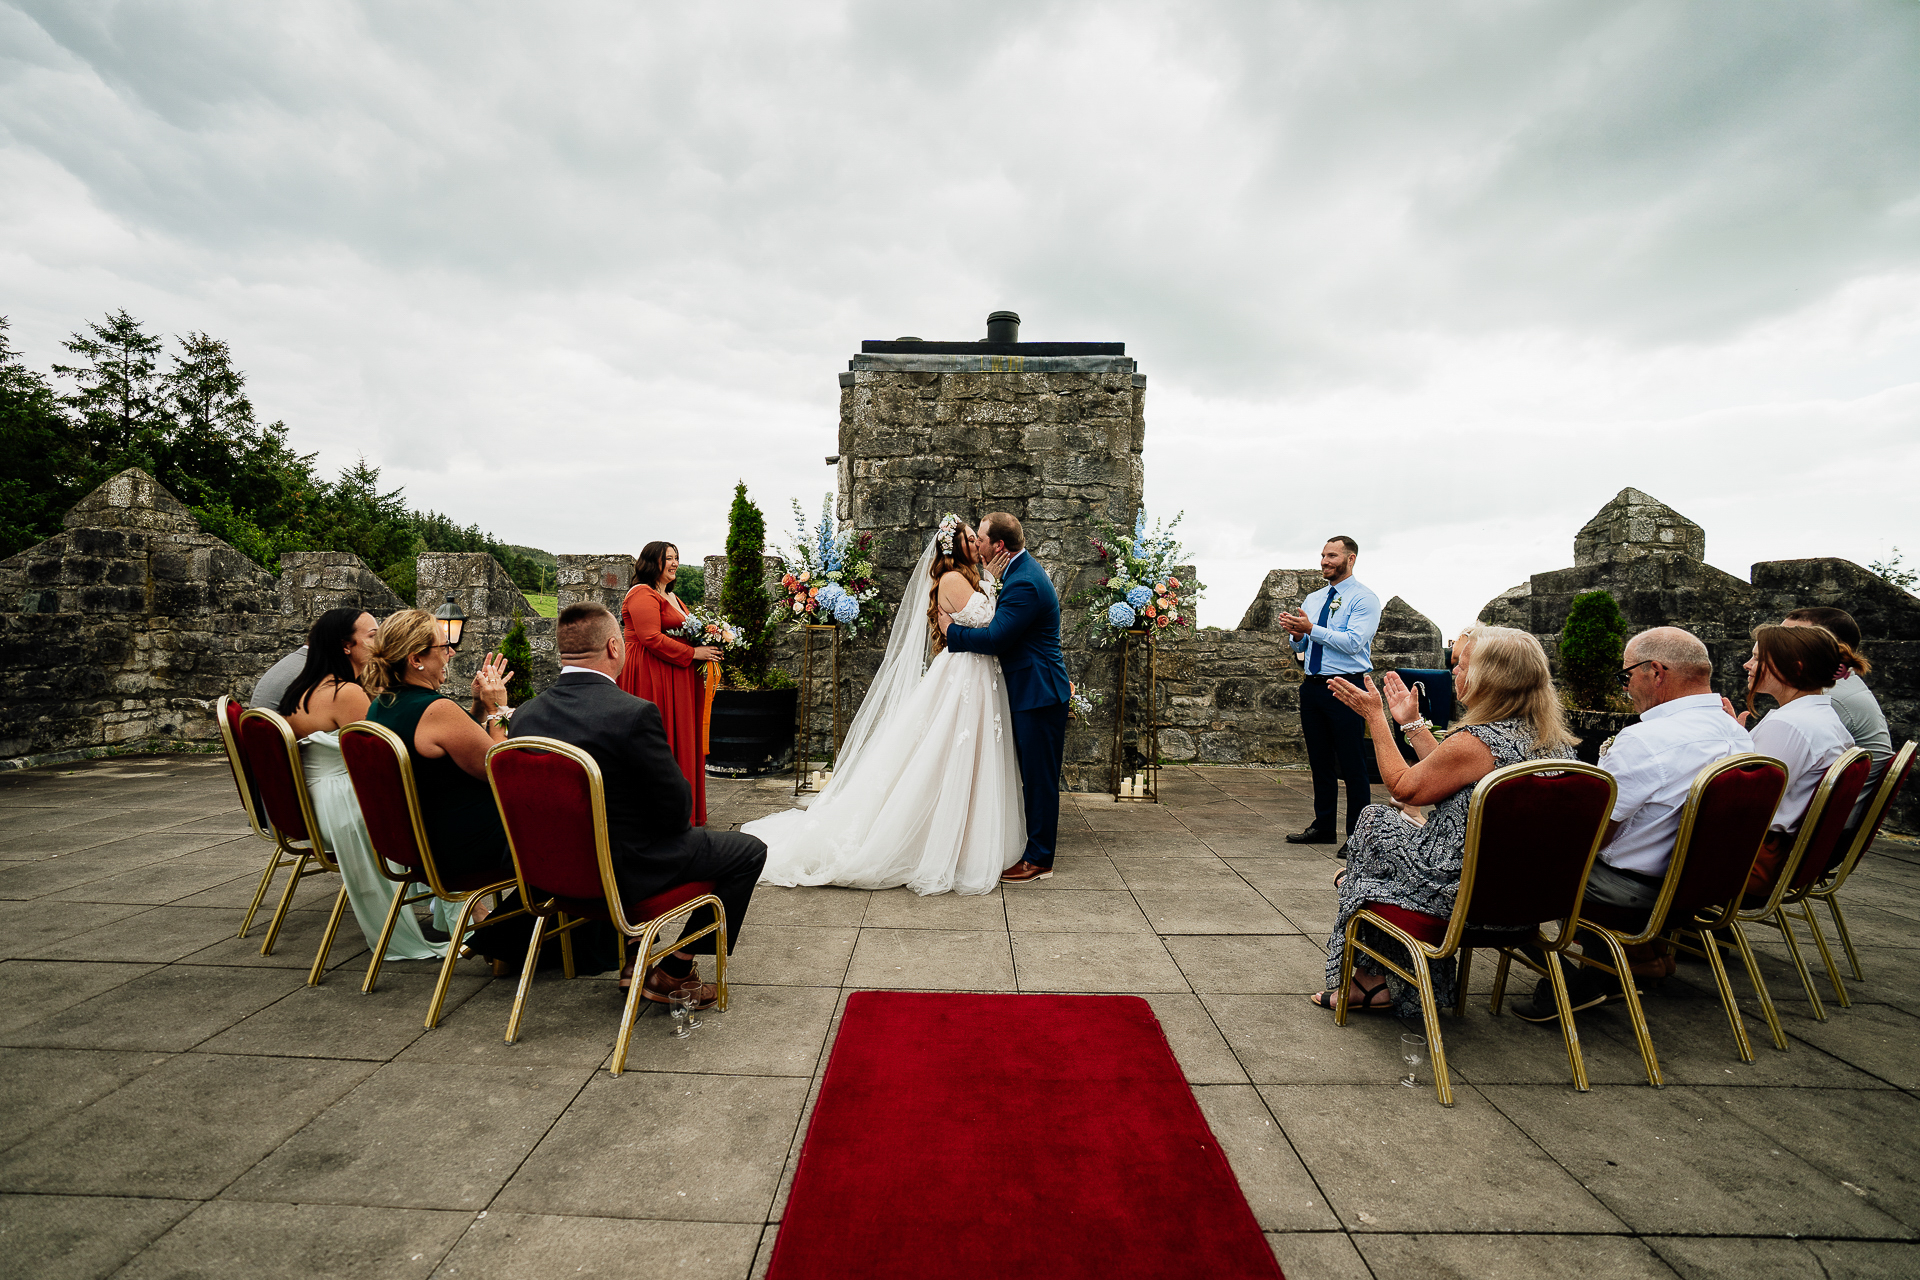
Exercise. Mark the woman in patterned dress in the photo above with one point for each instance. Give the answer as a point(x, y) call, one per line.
point(1513, 715)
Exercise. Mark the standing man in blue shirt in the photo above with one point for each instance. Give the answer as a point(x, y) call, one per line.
point(1333, 634)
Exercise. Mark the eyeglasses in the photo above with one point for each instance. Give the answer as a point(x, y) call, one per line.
point(1626, 673)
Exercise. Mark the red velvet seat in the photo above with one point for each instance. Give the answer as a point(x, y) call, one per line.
point(1892, 783)
point(1797, 874)
point(382, 775)
point(1722, 824)
point(226, 715)
point(272, 756)
point(553, 800)
point(1532, 831)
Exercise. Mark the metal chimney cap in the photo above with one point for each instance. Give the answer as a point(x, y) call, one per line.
point(1014, 316)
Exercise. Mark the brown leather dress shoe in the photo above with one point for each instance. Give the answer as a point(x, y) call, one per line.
point(1024, 872)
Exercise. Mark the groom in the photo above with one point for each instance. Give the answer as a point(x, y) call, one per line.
point(1025, 636)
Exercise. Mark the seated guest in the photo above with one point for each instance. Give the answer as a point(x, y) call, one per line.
point(448, 746)
point(1682, 730)
point(649, 804)
point(1513, 714)
point(272, 687)
point(322, 699)
point(1853, 702)
point(1794, 666)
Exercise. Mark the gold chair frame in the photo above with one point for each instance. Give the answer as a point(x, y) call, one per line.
point(260, 826)
point(1618, 941)
point(429, 872)
point(1730, 917)
point(645, 932)
point(1423, 954)
point(294, 853)
point(1827, 887)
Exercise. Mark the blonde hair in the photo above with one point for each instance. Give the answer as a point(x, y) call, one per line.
point(1508, 678)
point(406, 634)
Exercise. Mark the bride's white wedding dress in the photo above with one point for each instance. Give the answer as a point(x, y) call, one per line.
point(927, 795)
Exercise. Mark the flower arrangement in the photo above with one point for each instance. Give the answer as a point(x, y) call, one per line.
point(829, 575)
point(1080, 704)
point(707, 628)
point(1141, 588)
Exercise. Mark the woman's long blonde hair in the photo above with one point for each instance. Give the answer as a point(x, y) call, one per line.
point(407, 634)
point(1508, 678)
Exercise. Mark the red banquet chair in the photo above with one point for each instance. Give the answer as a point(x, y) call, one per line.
point(1722, 826)
point(1828, 889)
point(1532, 832)
point(272, 756)
point(553, 800)
point(226, 715)
point(1802, 868)
point(382, 776)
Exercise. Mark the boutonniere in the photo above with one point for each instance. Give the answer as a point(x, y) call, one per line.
point(991, 586)
point(1335, 606)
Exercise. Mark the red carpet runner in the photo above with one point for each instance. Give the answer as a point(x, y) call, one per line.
point(985, 1136)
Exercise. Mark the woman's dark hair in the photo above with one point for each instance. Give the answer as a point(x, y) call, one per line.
point(1802, 658)
point(1844, 629)
point(651, 563)
point(945, 562)
point(327, 646)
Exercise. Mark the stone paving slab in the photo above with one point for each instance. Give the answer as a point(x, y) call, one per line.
point(173, 1103)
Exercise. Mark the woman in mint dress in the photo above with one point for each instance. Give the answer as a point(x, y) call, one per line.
point(322, 700)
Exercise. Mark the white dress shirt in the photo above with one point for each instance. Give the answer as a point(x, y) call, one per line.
point(1809, 737)
point(592, 671)
point(1653, 764)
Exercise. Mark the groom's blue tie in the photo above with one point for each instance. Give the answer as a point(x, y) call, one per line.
point(1314, 648)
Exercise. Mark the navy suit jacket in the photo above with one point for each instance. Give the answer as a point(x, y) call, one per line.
point(1025, 636)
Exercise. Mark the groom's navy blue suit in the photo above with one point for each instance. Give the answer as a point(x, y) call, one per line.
point(1025, 636)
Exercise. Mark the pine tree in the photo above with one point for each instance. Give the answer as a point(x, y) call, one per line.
point(743, 596)
point(1590, 648)
point(42, 468)
point(518, 651)
point(118, 401)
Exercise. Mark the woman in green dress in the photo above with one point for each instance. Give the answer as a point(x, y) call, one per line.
point(447, 743)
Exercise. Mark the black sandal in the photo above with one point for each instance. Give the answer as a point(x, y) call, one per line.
point(1374, 1000)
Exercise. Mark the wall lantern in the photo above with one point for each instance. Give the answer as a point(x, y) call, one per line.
point(452, 619)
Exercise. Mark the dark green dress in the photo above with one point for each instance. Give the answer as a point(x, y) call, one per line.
point(462, 821)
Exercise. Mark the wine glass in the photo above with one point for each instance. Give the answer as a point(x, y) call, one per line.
point(690, 994)
point(680, 1005)
point(1413, 1052)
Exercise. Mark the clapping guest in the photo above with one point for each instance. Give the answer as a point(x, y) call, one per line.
point(659, 667)
point(323, 698)
point(1794, 666)
point(448, 746)
point(1513, 714)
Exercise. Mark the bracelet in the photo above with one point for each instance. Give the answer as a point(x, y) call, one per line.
point(1417, 725)
point(503, 713)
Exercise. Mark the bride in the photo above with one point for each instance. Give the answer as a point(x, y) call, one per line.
point(926, 789)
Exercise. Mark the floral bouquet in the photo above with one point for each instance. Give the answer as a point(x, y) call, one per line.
point(1141, 588)
point(709, 629)
point(829, 575)
point(1081, 704)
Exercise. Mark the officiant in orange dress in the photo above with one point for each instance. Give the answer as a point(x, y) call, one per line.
point(661, 668)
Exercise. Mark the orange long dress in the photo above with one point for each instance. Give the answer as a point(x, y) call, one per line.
point(660, 668)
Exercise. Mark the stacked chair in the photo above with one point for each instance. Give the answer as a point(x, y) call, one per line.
point(382, 776)
point(1721, 829)
point(1532, 832)
point(272, 758)
point(553, 800)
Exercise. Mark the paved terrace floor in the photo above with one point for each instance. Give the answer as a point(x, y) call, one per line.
point(176, 1104)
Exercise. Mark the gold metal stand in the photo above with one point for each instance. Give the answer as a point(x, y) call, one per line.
point(1145, 785)
point(803, 731)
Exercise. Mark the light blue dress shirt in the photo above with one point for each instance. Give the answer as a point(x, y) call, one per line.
point(1346, 641)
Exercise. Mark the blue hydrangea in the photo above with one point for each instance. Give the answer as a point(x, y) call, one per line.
point(828, 594)
point(845, 608)
point(1120, 615)
point(1140, 597)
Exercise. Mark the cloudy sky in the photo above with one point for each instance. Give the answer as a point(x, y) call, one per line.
point(1443, 276)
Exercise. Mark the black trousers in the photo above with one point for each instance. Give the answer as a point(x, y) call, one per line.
point(731, 859)
point(1337, 752)
point(1039, 739)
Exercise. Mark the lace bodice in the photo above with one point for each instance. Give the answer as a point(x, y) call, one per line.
point(978, 611)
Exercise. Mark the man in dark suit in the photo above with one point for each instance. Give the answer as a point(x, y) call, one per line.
point(1025, 636)
point(648, 800)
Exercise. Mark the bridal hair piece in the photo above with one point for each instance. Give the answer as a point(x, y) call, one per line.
point(949, 525)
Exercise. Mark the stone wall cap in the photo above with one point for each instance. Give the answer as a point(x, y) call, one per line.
point(873, 347)
point(884, 362)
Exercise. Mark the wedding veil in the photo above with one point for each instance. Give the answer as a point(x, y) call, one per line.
point(898, 677)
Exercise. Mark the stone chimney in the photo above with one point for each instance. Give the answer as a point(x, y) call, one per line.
point(1636, 524)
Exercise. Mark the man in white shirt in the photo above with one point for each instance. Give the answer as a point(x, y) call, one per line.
point(1683, 729)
